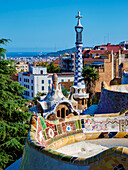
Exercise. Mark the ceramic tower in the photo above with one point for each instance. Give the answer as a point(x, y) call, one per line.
point(77, 91)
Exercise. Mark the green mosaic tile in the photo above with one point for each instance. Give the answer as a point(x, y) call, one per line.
point(79, 122)
point(59, 129)
point(44, 135)
point(43, 123)
point(76, 123)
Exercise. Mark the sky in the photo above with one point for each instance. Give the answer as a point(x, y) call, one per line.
point(48, 25)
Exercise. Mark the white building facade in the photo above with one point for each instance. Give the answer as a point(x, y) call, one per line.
point(40, 81)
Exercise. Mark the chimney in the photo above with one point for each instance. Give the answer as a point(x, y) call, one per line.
point(108, 44)
point(54, 79)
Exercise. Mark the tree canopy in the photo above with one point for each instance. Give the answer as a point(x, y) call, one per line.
point(3, 41)
point(51, 68)
point(14, 116)
point(90, 76)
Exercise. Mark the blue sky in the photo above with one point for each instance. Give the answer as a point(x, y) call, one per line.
point(48, 25)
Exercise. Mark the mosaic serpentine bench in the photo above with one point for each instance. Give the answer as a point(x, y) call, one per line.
point(45, 137)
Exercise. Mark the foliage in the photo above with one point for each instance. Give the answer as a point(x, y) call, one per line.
point(90, 76)
point(3, 42)
point(38, 97)
point(13, 116)
point(95, 100)
point(51, 68)
point(64, 91)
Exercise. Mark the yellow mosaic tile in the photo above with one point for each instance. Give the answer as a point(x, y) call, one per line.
point(59, 143)
point(103, 167)
point(111, 161)
point(79, 137)
point(52, 146)
point(33, 128)
point(71, 139)
point(88, 136)
point(120, 135)
point(103, 154)
point(118, 159)
point(125, 164)
point(94, 135)
point(120, 149)
point(126, 134)
point(103, 161)
point(108, 165)
point(65, 141)
point(125, 150)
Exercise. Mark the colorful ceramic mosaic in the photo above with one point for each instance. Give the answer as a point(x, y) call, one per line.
point(47, 137)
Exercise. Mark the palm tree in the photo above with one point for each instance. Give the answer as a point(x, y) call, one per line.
point(90, 76)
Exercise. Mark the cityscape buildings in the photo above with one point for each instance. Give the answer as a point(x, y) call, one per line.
point(38, 80)
point(62, 130)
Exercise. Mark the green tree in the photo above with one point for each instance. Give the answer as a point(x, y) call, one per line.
point(3, 42)
point(14, 116)
point(90, 76)
point(64, 91)
point(38, 97)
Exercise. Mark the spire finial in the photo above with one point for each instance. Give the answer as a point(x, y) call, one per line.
point(79, 16)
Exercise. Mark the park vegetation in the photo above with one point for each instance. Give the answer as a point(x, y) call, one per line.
point(90, 76)
point(14, 116)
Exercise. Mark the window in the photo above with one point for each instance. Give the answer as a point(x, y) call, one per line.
point(24, 80)
point(41, 72)
point(31, 87)
point(32, 94)
point(26, 93)
point(66, 112)
point(28, 80)
point(31, 81)
point(58, 113)
point(63, 113)
point(83, 102)
point(48, 87)
point(42, 87)
point(42, 81)
point(20, 78)
point(49, 81)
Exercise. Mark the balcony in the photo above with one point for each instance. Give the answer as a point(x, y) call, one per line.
point(81, 95)
point(71, 58)
point(71, 64)
point(64, 68)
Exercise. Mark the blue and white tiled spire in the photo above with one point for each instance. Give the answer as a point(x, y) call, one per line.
point(78, 66)
point(78, 57)
point(77, 91)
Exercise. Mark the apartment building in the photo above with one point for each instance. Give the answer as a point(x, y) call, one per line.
point(67, 62)
point(110, 60)
point(40, 81)
point(22, 66)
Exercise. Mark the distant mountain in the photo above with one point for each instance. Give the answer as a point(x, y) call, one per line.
point(61, 52)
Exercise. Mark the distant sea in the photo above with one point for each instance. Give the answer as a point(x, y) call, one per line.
point(24, 54)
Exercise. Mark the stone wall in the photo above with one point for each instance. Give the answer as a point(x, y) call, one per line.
point(113, 99)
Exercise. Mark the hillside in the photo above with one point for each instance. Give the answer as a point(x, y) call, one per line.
point(60, 52)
